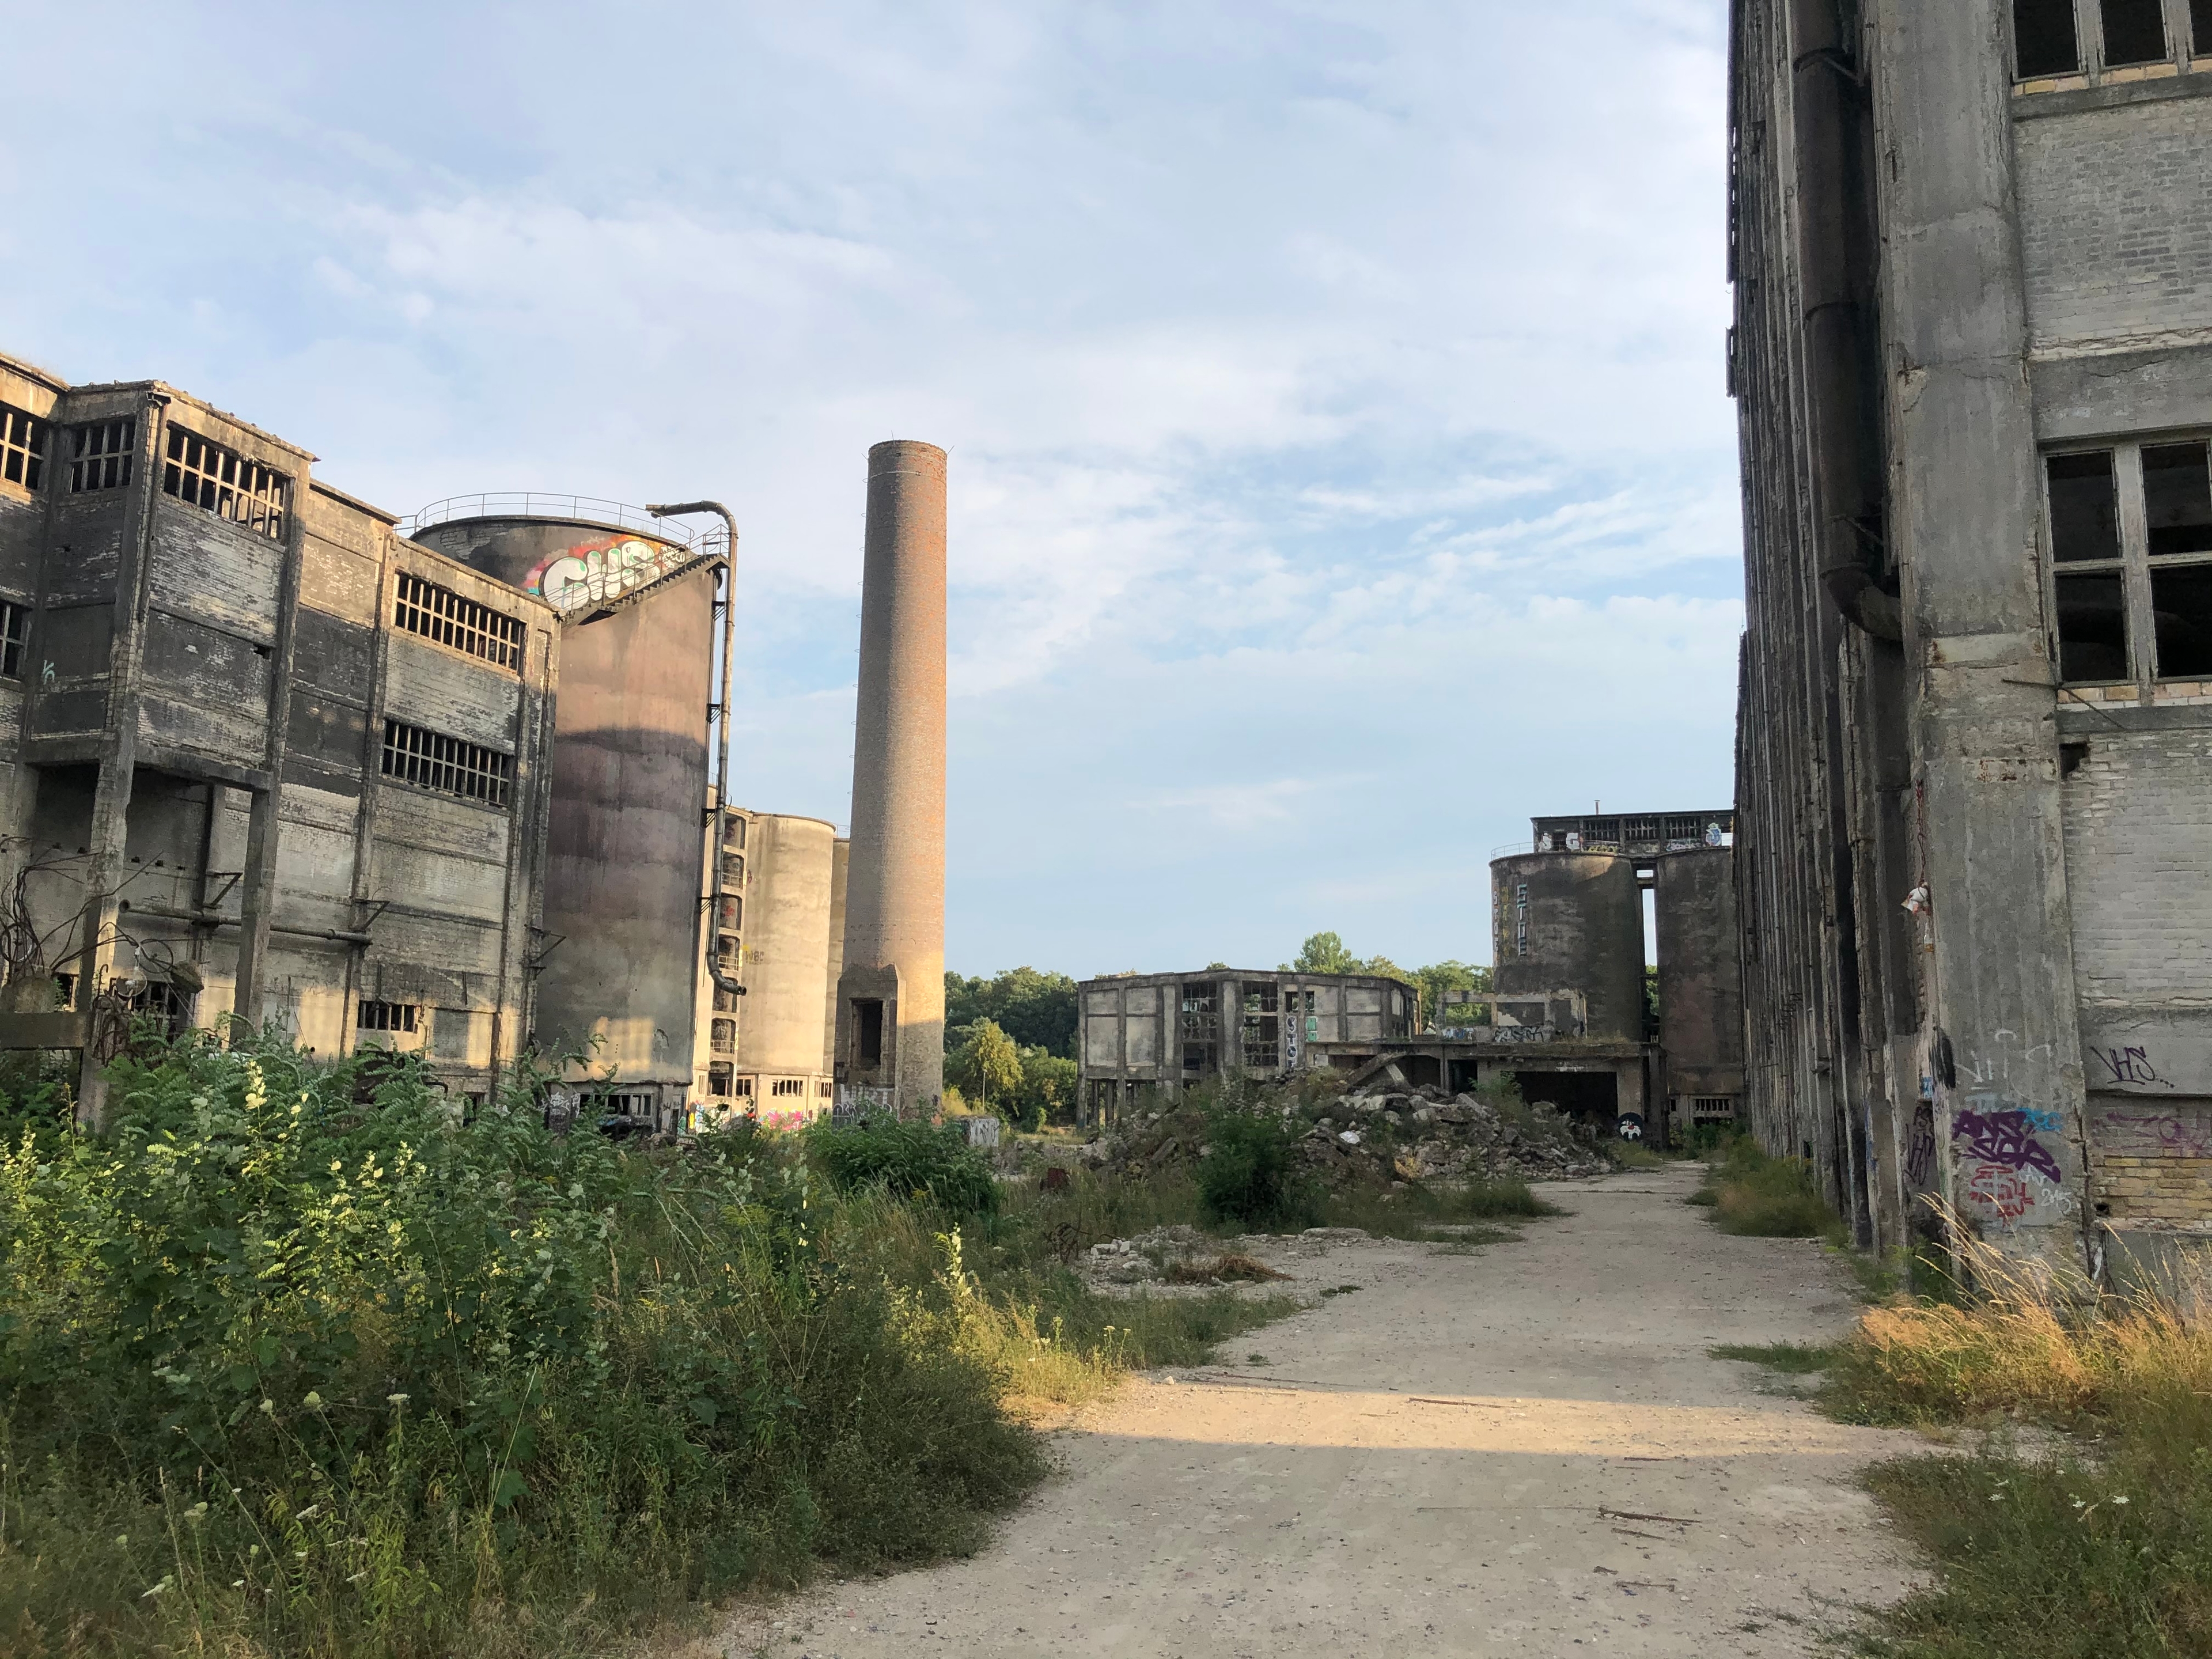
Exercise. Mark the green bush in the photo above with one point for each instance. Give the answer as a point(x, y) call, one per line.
point(1250, 1174)
point(905, 1159)
point(1758, 1196)
point(345, 1376)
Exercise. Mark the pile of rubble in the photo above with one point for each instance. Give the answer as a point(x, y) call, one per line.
point(1425, 1135)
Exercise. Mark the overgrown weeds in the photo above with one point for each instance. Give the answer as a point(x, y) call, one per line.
point(2102, 1545)
point(1758, 1196)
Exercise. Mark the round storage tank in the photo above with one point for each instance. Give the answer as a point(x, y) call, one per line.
point(789, 863)
point(1573, 922)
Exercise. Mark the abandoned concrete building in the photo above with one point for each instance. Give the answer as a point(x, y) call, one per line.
point(1148, 1034)
point(769, 1053)
point(262, 754)
point(1973, 361)
point(641, 604)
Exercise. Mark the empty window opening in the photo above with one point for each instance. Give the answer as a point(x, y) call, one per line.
point(729, 952)
point(2043, 39)
point(65, 990)
point(2085, 511)
point(2200, 24)
point(100, 454)
point(22, 448)
point(450, 766)
point(1711, 1108)
point(1263, 1042)
point(1641, 830)
point(733, 912)
point(1105, 1094)
point(789, 1086)
point(2181, 609)
point(724, 1037)
point(733, 870)
point(726, 1001)
point(718, 1080)
point(440, 614)
point(2177, 498)
point(2093, 627)
point(2134, 32)
point(735, 835)
point(822, 1089)
point(387, 1016)
point(1201, 1026)
point(225, 484)
point(14, 628)
point(742, 1089)
point(868, 1032)
point(1262, 999)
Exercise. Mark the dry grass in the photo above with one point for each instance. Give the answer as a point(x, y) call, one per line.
point(1231, 1268)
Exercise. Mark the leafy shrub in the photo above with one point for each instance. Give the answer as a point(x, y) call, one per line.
point(347, 1375)
point(905, 1159)
point(1250, 1174)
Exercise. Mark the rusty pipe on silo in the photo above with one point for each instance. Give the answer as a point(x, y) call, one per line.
point(676, 510)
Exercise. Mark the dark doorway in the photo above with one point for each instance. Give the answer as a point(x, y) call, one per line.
point(1591, 1098)
point(868, 1031)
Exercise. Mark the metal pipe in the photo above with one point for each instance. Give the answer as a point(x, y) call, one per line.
point(217, 919)
point(678, 509)
point(1835, 247)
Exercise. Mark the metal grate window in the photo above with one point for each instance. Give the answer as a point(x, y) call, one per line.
point(723, 1038)
point(387, 1016)
point(100, 455)
point(14, 628)
point(451, 766)
point(22, 448)
point(226, 484)
point(440, 614)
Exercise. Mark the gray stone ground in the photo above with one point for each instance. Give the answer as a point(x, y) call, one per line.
point(1521, 1450)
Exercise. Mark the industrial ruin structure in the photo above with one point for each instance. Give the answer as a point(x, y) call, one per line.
point(1146, 1035)
point(891, 987)
point(262, 754)
point(768, 1056)
point(640, 606)
point(1973, 360)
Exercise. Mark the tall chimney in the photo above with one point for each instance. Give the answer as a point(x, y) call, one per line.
point(891, 990)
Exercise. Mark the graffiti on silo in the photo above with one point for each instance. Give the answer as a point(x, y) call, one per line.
point(592, 573)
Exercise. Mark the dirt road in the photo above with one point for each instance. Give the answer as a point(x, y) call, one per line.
point(1521, 1450)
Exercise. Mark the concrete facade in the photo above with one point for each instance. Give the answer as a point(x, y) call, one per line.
point(262, 754)
point(623, 919)
point(1146, 1035)
point(763, 1052)
point(1972, 357)
point(1573, 918)
point(1700, 988)
point(891, 995)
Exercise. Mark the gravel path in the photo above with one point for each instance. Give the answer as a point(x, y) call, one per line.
point(1523, 1449)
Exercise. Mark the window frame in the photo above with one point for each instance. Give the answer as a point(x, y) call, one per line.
point(2134, 564)
point(420, 765)
point(15, 638)
point(2183, 51)
point(25, 445)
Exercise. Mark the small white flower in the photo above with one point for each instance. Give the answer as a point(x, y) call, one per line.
point(395, 1400)
point(268, 1408)
point(309, 1513)
point(313, 1402)
point(2121, 1500)
point(122, 1538)
point(238, 1584)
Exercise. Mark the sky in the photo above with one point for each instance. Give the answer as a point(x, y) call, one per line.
point(1342, 469)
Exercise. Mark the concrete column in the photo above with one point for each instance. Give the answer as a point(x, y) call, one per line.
point(895, 883)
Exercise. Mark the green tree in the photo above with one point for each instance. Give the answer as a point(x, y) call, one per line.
point(987, 1068)
point(1033, 1007)
point(1324, 953)
point(1047, 1089)
point(1437, 978)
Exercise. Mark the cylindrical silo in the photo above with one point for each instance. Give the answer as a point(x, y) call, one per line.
point(1700, 980)
point(1573, 922)
point(786, 898)
point(841, 856)
point(628, 784)
point(891, 1014)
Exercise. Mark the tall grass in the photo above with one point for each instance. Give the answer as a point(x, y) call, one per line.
point(1757, 1196)
point(293, 1362)
point(2097, 1547)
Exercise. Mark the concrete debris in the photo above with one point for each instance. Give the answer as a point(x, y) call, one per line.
point(1427, 1135)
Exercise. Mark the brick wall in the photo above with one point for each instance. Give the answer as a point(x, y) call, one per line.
point(2138, 824)
point(2115, 223)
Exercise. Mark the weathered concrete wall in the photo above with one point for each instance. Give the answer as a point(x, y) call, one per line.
point(789, 870)
point(1573, 920)
point(841, 861)
point(1700, 980)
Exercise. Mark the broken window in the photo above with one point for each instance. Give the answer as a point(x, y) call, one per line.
point(440, 614)
point(718, 1080)
point(2134, 32)
point(1262, 1040)
point(1261, 999)
point(729, 952)
point(2177, 498)
point(225, 484)
point(733, 870)
point(723, 1036)
point(726, 1001)
point(100, 455)
point(14, 628)
point(450, 766)
point(387, 1016)
point(2093, 627)
point(2085, 511)
point(22, 448)
point(788, 1085)
point(2200, 24)
point(868, 1031)
point(2181, 612)
point(733, 911)
point(735, 835)
point(2043, 39)
point(1201, 1027)
point(2177, 522)
point(741, 1089)
point(1641, 830)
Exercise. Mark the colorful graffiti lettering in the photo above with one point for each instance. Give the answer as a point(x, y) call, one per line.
point(2004, 1138)
point(1996, 1187)
point(595, 572)
point(2128, 1065)
point(1920, 1151)
point(2043, 1122)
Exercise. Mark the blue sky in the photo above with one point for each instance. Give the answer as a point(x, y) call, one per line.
point(1341, 468)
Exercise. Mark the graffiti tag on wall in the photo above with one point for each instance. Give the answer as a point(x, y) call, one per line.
point(1996, 1187)
point(1920, 1150)
point(592, 573)
point(2006, 1138)
point(2129, 1067)
point(2137, 1133)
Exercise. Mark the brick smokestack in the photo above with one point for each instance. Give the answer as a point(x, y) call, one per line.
point(891, 1000)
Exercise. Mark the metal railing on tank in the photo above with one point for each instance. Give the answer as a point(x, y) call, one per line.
point(701, 541)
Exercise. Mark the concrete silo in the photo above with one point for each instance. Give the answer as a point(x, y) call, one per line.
point(1700, 984)
point(1573, 922)
point(785, 915)
point(840, 859)
point(628, 779)
point(890, 993)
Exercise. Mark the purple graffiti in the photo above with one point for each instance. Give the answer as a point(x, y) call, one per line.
point(2005, 1138)
point(2131, 1066)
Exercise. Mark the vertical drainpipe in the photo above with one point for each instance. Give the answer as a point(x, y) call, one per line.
point(678, 509)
